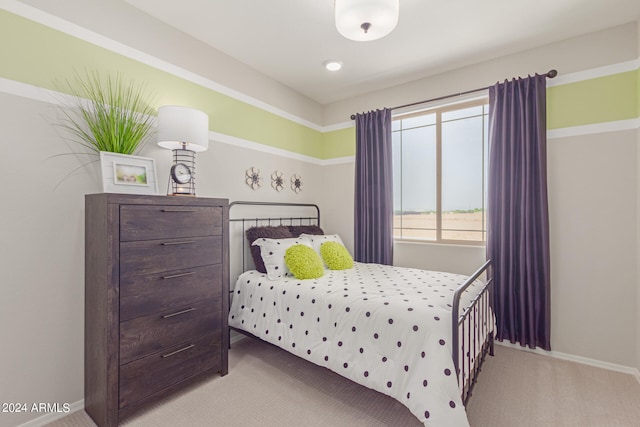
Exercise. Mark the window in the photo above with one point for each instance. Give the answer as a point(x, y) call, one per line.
point(440, 174)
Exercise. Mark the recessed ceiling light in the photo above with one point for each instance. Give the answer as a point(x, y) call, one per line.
point(332, 65)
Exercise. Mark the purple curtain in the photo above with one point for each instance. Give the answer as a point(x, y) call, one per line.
point(518, 218)
point(374, 188)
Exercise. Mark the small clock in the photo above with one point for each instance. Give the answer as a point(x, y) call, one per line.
point(180, 173)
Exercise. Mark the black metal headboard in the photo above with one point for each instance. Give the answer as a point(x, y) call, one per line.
point(265, 213)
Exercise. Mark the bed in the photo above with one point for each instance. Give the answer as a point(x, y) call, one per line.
point(387, 328)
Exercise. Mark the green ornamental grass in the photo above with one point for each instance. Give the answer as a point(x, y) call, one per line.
point(108, 113)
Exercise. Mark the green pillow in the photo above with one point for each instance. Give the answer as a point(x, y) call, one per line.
point(304, 262)
point(336, 256)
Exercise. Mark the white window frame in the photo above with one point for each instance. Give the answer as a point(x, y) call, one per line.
point(438, 110)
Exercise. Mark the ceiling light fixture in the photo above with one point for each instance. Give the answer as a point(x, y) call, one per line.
point(366, 20)
point(332, 65)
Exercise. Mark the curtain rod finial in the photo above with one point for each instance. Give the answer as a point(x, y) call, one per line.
point(552, 73)
point(353, 117)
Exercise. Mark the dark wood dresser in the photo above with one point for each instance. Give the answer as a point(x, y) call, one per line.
point(156, 298)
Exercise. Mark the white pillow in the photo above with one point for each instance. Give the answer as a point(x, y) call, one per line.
point(318, 239)
point(272, 252)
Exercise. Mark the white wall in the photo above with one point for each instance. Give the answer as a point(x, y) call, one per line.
point(637, 259)
point(42, 250)
point(452, 258)
point(592, 213)
point(336, 200)
point(42, 260)
point(638, 213)
point(223, 169)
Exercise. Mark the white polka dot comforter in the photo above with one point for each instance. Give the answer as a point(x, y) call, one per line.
point(387, 328)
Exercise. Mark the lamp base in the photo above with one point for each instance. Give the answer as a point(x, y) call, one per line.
point(183, 184)
point(181, 194)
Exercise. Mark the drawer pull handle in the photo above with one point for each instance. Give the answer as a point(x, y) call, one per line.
point(173, 276)
point(178, 210)
point(186, 242)
point(166, 316)
point(178, 351)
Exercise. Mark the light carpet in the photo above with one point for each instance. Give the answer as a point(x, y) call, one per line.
point(268, 387)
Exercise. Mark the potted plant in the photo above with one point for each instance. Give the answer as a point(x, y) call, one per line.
point(112, 117)
point(108, 113)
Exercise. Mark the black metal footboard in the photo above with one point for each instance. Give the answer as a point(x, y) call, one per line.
point(472, 331)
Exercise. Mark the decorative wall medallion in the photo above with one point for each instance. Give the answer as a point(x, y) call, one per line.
point(253, 178)
point(296, 183)
point(277, 180)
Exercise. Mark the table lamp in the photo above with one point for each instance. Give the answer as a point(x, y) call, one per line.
point(185, 131)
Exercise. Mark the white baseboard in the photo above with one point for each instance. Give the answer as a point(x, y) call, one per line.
point(54, 416)
point(577, 359)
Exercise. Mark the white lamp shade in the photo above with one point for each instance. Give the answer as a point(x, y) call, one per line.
point(353, 15)
point(178, 126)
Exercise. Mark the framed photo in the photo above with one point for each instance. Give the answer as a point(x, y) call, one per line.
point(124, 173)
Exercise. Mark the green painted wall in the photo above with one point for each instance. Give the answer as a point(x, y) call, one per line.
point(339, 143)
point(638, 92)
point(599, 100)
point(38, 55)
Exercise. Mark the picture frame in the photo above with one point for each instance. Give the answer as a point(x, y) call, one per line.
point(124, 173)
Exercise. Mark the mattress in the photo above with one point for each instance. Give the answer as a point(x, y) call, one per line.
point(386, 328)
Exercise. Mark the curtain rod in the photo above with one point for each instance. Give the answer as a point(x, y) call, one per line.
point(551, 74)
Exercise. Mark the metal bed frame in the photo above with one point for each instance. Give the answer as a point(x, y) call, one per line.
point(480, 310)
point(477, 312)
point(290, 220)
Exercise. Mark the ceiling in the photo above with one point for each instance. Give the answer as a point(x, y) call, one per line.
point(288, 40)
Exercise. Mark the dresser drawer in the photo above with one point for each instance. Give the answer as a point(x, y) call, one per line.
point(144, 295)
point(148, 334)
point(156, 222)
point(156, 256)
point(144, 377)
